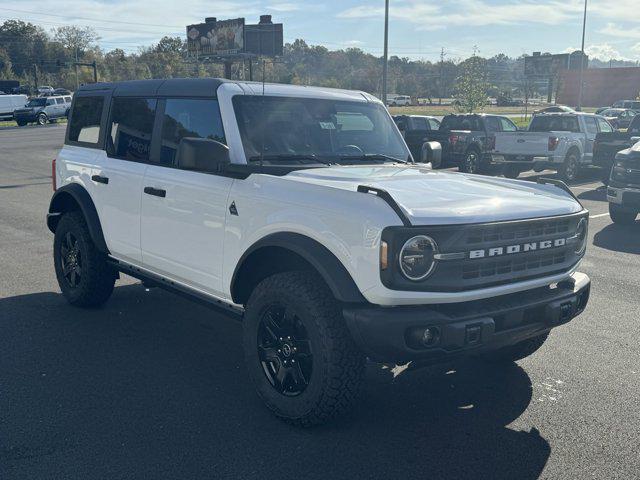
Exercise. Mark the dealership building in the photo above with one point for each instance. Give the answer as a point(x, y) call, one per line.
point(601, 86)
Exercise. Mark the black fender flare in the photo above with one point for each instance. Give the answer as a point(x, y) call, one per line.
point(317, 255)
point(64, 200)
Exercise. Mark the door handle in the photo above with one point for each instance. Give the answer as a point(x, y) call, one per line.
point(156, 192)
point(100, 179)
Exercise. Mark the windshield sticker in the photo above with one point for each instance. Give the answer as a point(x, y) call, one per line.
point(327, 126)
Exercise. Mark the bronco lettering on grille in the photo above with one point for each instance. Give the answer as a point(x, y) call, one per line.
point(524, 247)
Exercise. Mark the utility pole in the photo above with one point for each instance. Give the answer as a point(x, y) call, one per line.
point(35, 75)
point(76, 68)
point(580, 87)
point(441, 89)
point(386, 52)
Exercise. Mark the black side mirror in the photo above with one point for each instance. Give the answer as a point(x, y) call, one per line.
point(202, 155)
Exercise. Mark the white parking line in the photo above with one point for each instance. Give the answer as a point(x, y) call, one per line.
point(599, 215)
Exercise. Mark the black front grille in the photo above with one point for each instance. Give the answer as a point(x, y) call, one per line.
point(489, 254)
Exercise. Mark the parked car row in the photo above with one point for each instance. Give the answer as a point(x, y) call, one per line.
point(40, 110)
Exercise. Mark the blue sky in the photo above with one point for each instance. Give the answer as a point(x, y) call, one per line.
point(418, 28)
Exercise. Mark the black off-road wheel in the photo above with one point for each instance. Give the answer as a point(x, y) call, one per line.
point(21, 123)
point(42, 119)
point(84, 276)
point(518, 351)
point(299, 353)
point(623, 216)
point(571, 167)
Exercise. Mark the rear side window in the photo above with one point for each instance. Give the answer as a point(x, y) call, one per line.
point(51, 101)
point(59, 101)
point(492, 124)
point(434, 124)
point(67, 99)
point(420, 123)
point(130, 128)
point(85, 120)
point(188, 118)
point(507, 125)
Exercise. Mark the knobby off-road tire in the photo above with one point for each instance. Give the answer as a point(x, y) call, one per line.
point(83, 274)
point(299, 352)
point(622, 215)
point(518, 351)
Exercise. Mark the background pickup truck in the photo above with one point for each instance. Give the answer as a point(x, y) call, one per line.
point(556, 141)
point(414, 129)
point(607, 144)
point(467, 140)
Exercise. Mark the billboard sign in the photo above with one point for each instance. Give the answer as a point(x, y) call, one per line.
point(224, 37)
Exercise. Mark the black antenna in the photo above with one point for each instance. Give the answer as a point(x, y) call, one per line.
point(262, 114)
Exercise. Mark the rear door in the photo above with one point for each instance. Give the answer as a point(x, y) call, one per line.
point(120, 171)
point(184, 212)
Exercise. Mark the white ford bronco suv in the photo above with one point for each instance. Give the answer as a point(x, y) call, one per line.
point(301, 210)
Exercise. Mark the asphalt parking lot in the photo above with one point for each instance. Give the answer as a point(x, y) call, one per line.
point(154, 386)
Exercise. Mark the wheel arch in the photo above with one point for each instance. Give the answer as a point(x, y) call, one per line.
point(74, 197)
point(287, 251)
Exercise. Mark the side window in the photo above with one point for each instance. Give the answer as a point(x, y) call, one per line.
point(604, 125)
point(188, 118)
point(67, 99)
point(51, 101)
point(85, 120)
point(492, 124)
point(507, 125)
point(634, 126)
point(590, 123)
point(434, 124)
point(60, 100)
point(420, 123)
point(130, 128)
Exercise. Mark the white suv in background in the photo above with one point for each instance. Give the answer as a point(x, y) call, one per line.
point(300, 210)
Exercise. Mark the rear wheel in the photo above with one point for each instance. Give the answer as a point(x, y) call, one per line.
point(622, 215)
point(299, 353)
point(471, 162)
point(42, 119)
point(518, 351)
point(84, 276)
point(571, 167)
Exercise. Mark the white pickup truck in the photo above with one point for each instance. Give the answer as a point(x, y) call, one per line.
point(556, 141)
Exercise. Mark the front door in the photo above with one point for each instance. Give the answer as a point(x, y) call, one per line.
point(591, 130)
point(184, 212)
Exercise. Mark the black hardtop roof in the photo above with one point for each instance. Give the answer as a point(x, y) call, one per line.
point(178, 87)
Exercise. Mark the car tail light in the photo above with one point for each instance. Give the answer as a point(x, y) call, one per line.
point(453, 139)
point(553, 143)
point(53, 175)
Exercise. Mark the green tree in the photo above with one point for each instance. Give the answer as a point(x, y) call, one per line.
point(471, 84)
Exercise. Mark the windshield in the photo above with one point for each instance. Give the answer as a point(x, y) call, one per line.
point(287, 128)
point(37, 102)
point(554, 123)
point(611, 112)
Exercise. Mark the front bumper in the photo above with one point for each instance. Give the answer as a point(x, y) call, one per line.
point(388, 333)
point(624, 195)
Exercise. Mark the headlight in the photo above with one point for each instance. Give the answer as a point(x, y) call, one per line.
point(582, 236)
point(416, 257)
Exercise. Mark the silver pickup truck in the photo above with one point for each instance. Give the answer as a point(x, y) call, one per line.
point(556, 141)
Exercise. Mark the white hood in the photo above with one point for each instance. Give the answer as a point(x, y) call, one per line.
point(430, 197)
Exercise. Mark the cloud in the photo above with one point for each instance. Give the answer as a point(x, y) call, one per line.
point(284, 7)
point(471, 13)
point(615, 30)
point(602, 51)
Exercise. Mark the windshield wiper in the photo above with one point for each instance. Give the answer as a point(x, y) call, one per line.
point(374, 156)
point(288, 157)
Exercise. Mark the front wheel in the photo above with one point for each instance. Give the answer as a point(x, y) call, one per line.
point(571, 167)
point(299, 353)
point(42, 119)
point(518, 351)
point(511, 171)
point(622, 215)
point(84, 276)
point(471, 162)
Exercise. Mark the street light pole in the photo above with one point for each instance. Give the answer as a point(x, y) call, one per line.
point(580, 86)
point(386, 52)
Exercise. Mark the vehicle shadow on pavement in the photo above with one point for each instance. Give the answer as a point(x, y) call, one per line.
point(619, 238)
point(598, 194)
point(154, 386)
